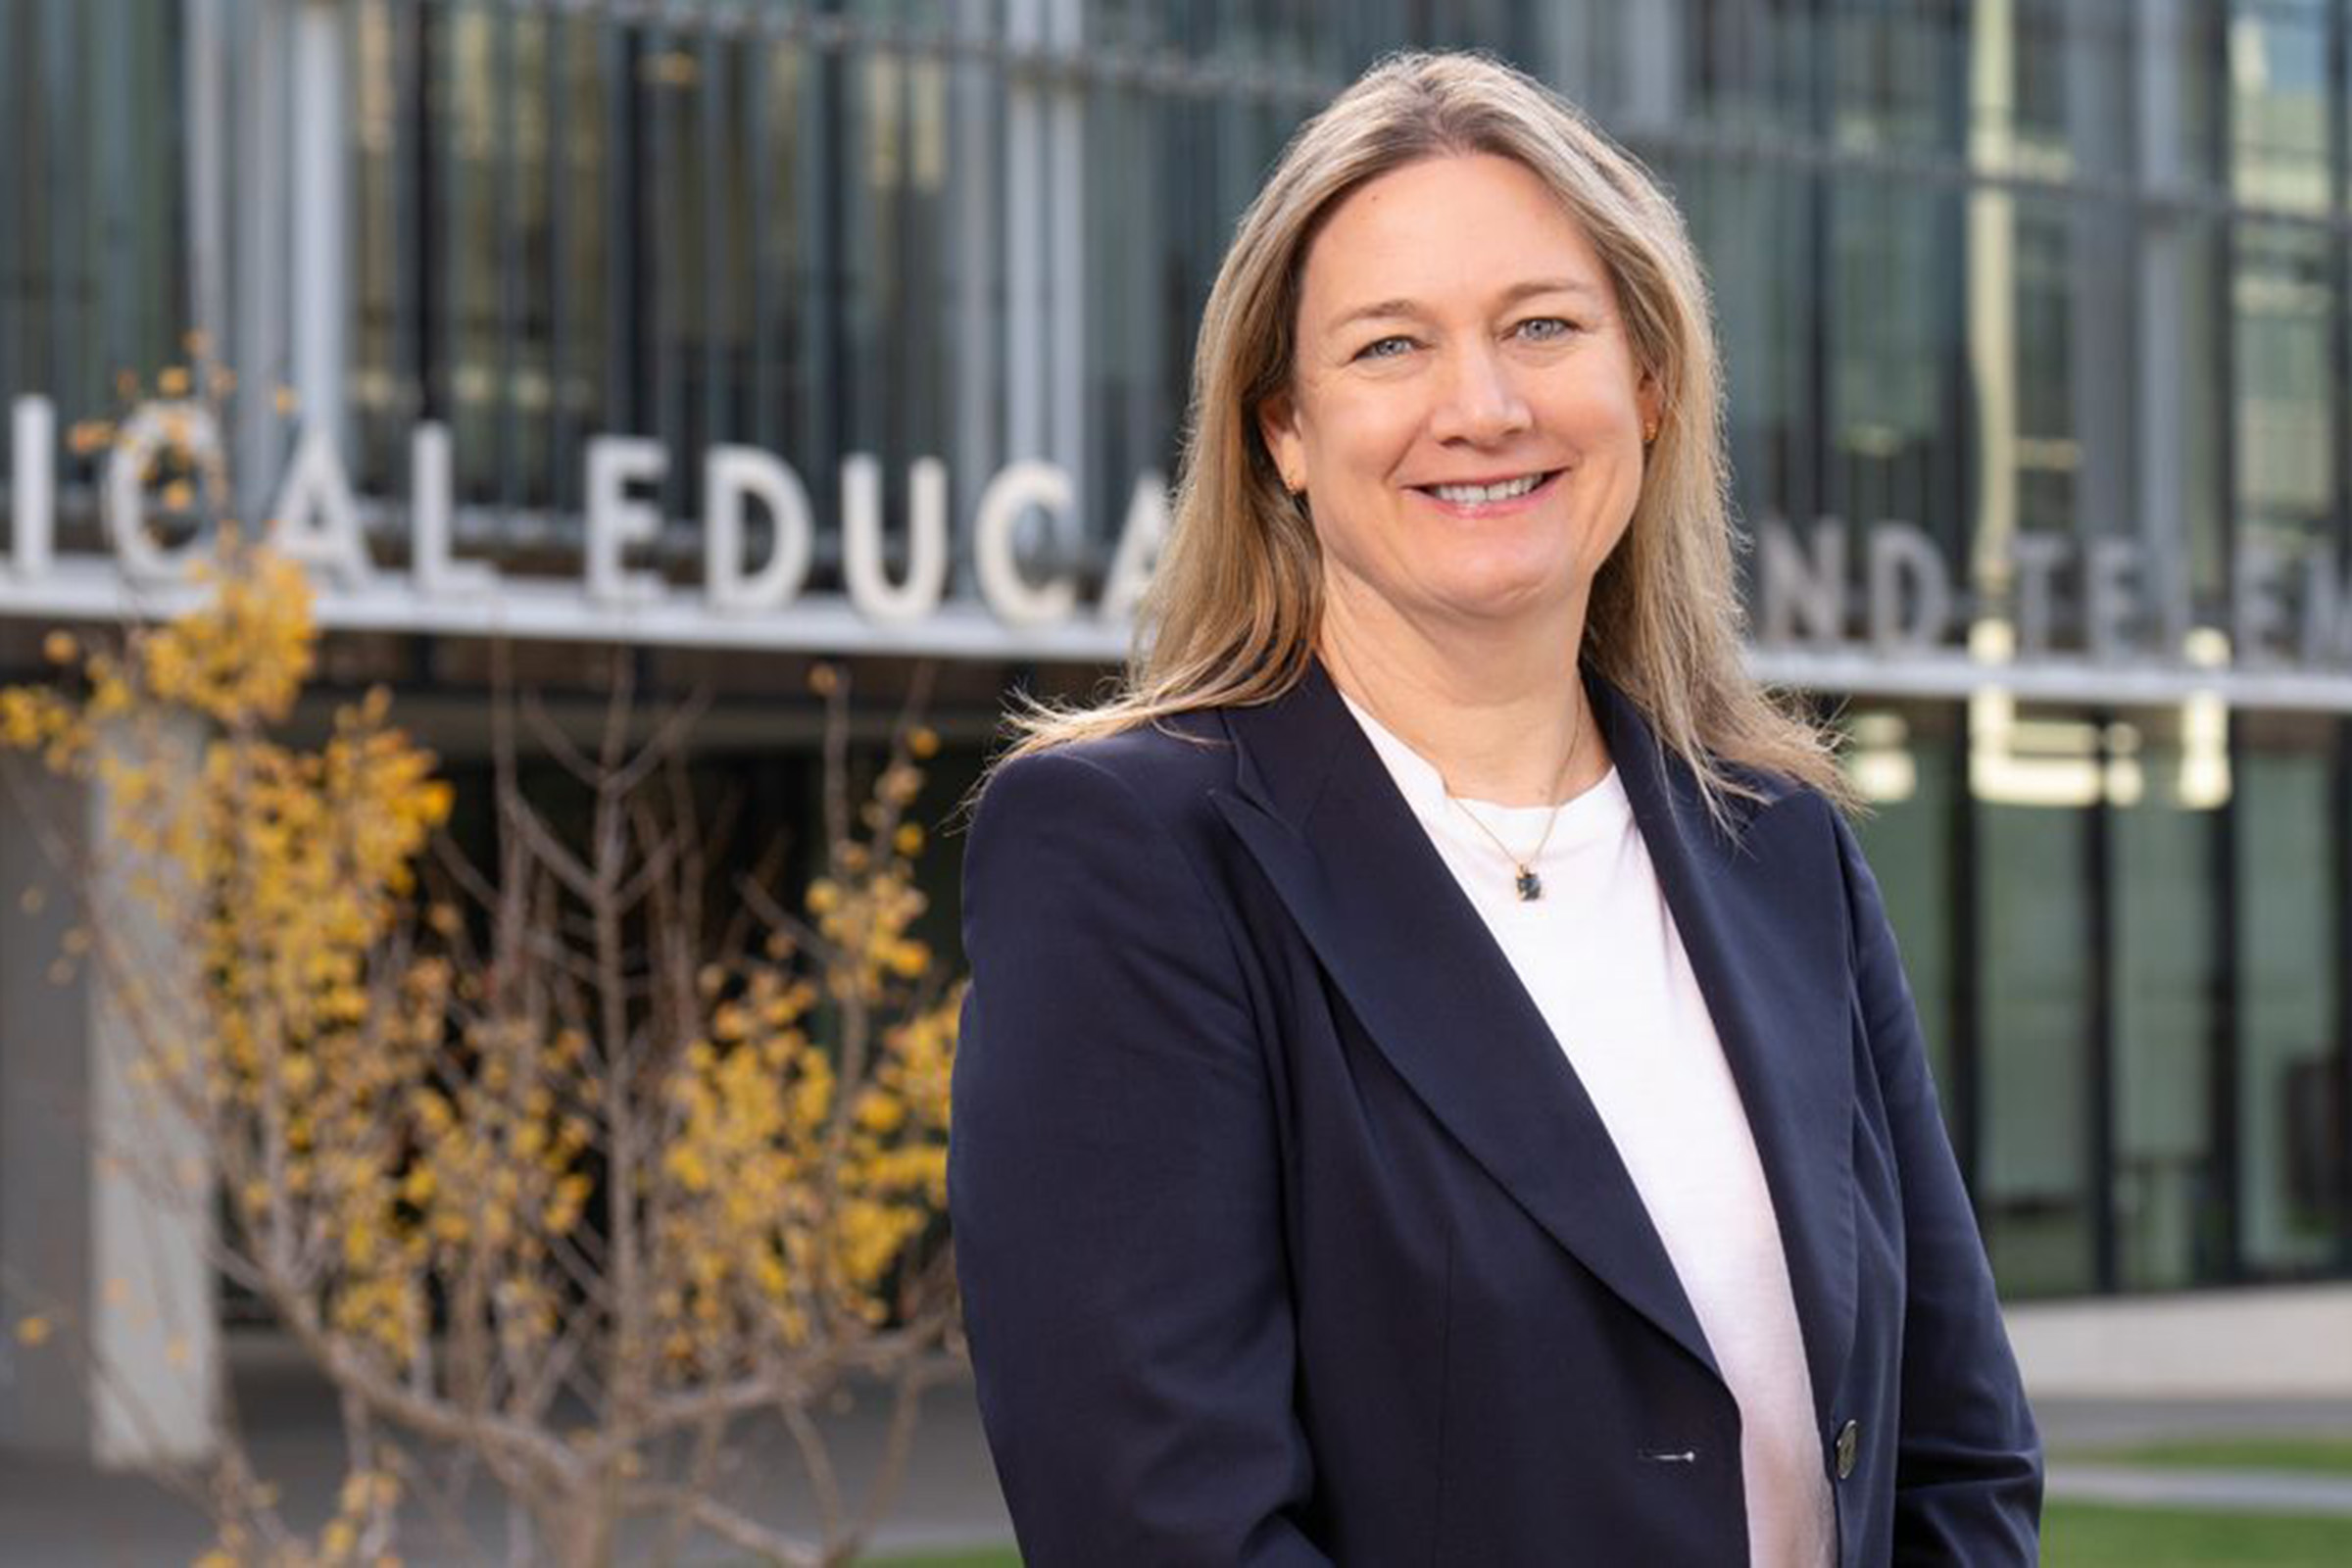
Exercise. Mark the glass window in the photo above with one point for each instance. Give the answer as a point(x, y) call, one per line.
point(1139, 291)
point(2033, 997)
point(1759, 67)
point(1899, 76)
point(1900, 759)
point(95, 251)
point(2278, 67)
point(1754, 225)
point(2167, 775)
point(2183, 90)
point(1895, 355)
point(2285, 318)
point(2290, 1138)
point(1167, 178)
point(2020, 56)
point(574, 225)
point(2045, 452)
point(2181, 418)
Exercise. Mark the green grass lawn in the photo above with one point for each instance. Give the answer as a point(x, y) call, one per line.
point(2084, 1535)
point(2077, 1535)
point(2328, 1456)
point(2074, 1535)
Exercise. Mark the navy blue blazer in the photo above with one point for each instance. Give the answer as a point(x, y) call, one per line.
point(1289, 1235)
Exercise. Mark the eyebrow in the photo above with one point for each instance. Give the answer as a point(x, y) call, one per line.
point(1383, 308)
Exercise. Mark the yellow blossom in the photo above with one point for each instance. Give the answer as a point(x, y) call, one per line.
point(407, 1116)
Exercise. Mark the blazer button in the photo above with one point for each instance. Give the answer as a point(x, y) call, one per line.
point(1849, 1443)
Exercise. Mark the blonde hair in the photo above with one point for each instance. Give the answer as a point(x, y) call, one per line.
point(1234, 609)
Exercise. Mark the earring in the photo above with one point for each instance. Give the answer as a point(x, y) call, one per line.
point(1649, 433)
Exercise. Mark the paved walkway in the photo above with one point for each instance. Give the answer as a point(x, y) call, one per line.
point(2079, 1424)
point(2073, 1426)
point(65, 1514)
point(56, 1514)
point(2216, 1491)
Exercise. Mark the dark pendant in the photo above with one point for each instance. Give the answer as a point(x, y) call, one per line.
point(1531, 886)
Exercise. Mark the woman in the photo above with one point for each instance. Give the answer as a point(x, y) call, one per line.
point(1438, 1085)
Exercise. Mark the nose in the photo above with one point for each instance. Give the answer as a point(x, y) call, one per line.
point(1478, 402)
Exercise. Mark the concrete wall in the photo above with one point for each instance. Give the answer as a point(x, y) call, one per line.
point(105, 1194)
point(2286, 1343)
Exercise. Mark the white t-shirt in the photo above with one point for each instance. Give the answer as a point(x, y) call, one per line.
point(1598, 954)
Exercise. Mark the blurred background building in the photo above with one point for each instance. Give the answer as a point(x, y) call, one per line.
point(2059, 287)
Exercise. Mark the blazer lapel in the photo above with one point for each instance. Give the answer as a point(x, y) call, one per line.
point(1757, 915)
point(1317, 810)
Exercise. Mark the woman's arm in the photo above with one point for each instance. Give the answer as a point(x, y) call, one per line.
point(1968, 1463)
point(1115, 1192)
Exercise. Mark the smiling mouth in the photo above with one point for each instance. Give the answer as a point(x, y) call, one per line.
point(1473, 494)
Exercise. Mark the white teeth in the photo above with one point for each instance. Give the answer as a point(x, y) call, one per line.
point(1470, 494)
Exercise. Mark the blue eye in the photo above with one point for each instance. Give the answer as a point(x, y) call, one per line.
point(1545, 328)
point(1384, 348)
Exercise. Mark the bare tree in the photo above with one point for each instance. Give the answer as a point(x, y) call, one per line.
point(577, 1166)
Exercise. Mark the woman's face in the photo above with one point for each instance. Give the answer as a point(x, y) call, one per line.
point(1463, 411)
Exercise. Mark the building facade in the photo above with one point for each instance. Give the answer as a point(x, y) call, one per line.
point(2040, 403)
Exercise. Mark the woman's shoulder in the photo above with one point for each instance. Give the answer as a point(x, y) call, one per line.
point(1770, 789)
point(1163, 770)
point(1735, 772)
point(1092, 829)
point(1735, 796)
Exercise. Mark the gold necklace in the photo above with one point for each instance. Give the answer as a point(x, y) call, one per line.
point(1528, 885)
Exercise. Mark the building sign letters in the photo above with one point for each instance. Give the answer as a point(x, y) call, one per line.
point(1888, 589)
